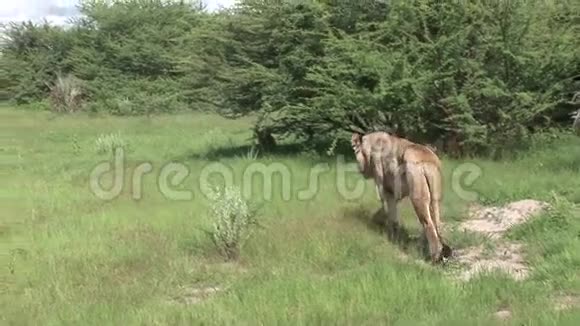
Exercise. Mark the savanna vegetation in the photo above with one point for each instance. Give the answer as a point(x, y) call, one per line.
point(471, 76)
point(281, 82)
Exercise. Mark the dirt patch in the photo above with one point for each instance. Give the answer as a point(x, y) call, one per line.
point(195, 295)
point(566, 302)
point(498, 255)
point(494, 221)
point(507, 258)
point(503, 314)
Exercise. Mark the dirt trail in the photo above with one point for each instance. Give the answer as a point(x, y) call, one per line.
point(500, 254)
point(494, 221)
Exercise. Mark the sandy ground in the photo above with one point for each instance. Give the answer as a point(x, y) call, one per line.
point(500, 254)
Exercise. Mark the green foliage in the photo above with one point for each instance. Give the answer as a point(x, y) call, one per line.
point(482, 75)
point(474, 73)
point(129, 53)
point(476, 77)
point(32, 57)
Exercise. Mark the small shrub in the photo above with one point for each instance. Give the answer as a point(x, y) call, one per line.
point(66, 94)
point(232, 221)
point(108, 143)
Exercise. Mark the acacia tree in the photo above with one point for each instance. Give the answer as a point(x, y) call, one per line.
point(479, 75)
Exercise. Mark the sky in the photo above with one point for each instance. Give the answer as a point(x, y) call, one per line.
point(58, 11)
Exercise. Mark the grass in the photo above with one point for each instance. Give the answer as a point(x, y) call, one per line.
point(72, 258)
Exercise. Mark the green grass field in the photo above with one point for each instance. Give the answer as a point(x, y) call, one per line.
point(70, 258)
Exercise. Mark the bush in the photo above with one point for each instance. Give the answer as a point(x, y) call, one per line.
point(232, 221)
point(32, 57)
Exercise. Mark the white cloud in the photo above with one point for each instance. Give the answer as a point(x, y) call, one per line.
point(215, 4)
point(58, 11)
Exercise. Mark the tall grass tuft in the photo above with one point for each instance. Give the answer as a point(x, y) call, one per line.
point(233, 219)
point(109, 142)
point(251, 155)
